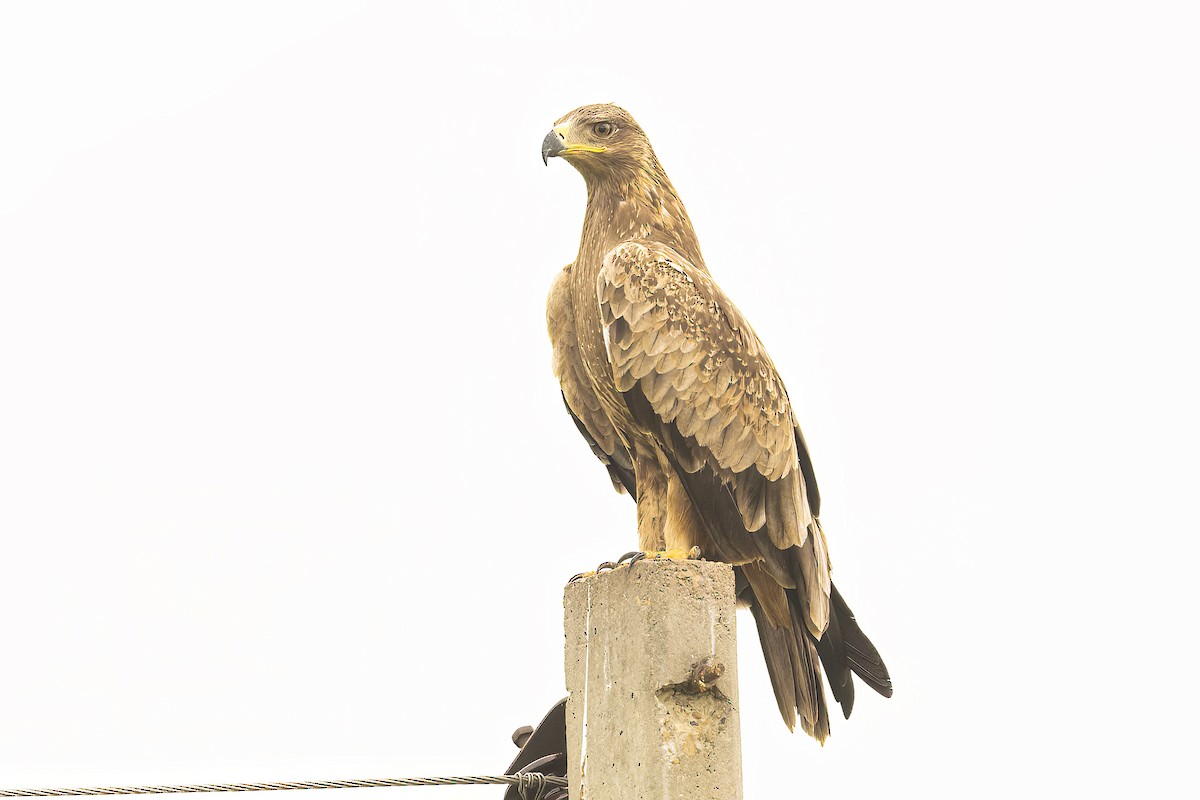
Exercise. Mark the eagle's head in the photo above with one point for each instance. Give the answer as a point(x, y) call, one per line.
point(599, 140)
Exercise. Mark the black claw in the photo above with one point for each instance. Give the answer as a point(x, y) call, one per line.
point(630, 558)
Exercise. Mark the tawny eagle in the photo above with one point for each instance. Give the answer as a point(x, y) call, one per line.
point(678, 398)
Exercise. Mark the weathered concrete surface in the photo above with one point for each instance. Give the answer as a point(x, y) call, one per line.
point(638, 726)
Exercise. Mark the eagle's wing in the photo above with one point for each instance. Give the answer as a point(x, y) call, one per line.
point(693, 372)
point(691, 367)
point(581, 401)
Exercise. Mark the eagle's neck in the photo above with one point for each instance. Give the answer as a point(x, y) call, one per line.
point(638, 204)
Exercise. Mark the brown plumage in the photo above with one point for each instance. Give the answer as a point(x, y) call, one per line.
point(676, 395)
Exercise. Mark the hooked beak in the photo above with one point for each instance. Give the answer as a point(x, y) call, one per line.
point(555, 144)
point(552, 145)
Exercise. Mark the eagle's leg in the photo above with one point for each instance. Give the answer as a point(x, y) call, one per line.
point(668, 527)
point(651, 502)
point(667, 523)
point(684, 529)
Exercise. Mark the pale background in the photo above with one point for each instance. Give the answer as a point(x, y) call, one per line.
point(286, 487)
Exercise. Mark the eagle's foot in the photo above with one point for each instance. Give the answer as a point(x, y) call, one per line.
point(605, 567)
point(659, 555)
point(629, 559)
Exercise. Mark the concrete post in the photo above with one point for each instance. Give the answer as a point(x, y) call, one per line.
point(651, 661)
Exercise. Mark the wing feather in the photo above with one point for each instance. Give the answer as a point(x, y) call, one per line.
point(683, 351)
point(581, 400)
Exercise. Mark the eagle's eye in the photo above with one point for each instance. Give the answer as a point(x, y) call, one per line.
point(603, 128)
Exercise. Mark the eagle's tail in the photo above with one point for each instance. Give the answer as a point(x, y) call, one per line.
point(844, 649)
point(792, 654)
point(792, 665)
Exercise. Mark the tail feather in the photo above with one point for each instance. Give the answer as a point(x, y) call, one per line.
point(862, 656)
point(792, 654)
point(791, 657)
point(777, 655)
point(836, 661)
point(810, 688)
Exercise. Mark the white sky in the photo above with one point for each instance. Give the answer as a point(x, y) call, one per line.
point(286, 488)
